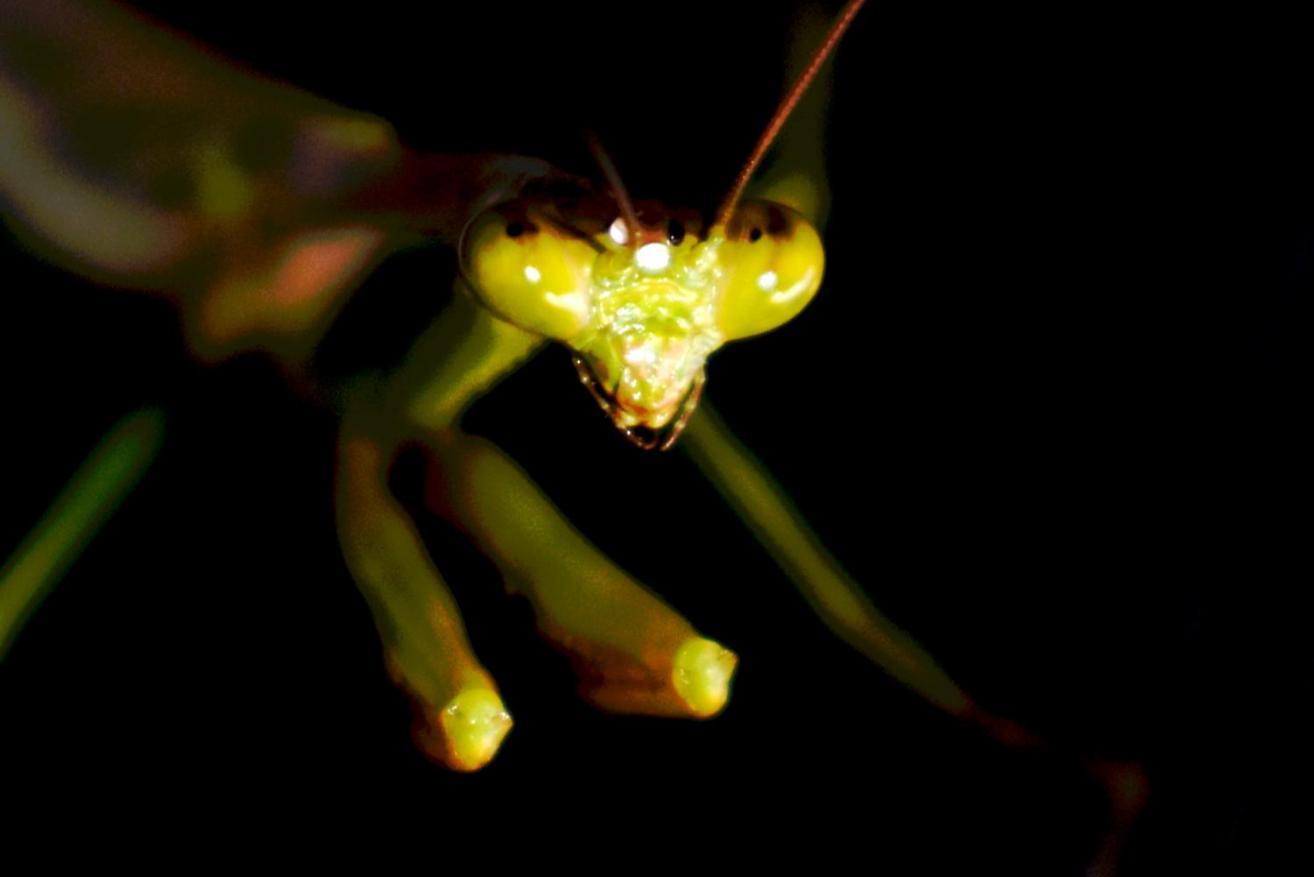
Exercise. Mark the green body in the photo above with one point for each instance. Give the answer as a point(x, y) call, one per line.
point(257, 259)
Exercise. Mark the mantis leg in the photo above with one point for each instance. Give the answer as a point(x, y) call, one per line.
point(462, 719)
point(836, 598)
point(841, 603)
point(91, 496)
point(796, 175)
point(635, 653)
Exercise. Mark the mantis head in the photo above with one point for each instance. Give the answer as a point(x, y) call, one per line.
point(644, 294)
point(643, 301)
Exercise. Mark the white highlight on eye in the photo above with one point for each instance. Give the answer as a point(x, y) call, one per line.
point(618, 232)
point(575, 302)
point(653, 257)
point(767, 280)
point(784, 296)
point(532, 274)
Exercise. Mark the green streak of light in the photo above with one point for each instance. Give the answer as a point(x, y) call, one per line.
point(837, 599)
point(87, 501)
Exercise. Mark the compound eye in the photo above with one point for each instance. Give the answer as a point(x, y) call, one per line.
point(774, 262)
point(529, 273)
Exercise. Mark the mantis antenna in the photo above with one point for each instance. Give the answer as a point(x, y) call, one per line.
point(786, 107)
point(617, 187)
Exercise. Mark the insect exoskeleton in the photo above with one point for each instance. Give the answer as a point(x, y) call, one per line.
point(642, 300)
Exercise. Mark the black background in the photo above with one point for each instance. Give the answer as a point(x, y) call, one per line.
point(1044, 409)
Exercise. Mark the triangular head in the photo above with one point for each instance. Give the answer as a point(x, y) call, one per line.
point(643, 293)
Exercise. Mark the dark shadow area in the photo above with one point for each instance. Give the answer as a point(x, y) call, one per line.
point(1045, 408)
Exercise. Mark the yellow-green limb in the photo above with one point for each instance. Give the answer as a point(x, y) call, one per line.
point(462, 720)
point(633, 652)
point(98, 487)
point(836, 598)
point(795, 175)
point(460, 357)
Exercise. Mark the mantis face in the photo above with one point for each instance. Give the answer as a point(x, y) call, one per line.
point(642, 306)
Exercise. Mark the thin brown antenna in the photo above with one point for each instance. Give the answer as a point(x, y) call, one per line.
point(617, 187)
point(786, 107)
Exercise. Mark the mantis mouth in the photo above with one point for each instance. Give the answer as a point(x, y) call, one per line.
point(652, 430)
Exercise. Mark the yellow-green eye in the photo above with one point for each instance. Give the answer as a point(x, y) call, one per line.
point(529, 273)
point(773, 260)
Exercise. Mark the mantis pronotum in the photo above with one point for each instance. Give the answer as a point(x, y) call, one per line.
point(813, 397)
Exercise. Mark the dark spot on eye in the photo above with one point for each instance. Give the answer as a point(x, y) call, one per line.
point(777, 222)
point(755, 235)
point(675, 232)
point(515, 229)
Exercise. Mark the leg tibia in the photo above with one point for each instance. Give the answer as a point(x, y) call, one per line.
point(635, 653)
point(462, 717)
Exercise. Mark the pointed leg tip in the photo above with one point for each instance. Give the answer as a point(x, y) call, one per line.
point(702, 673)
point(474, 722)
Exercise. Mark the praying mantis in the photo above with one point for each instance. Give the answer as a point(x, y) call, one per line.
point(811, 417)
